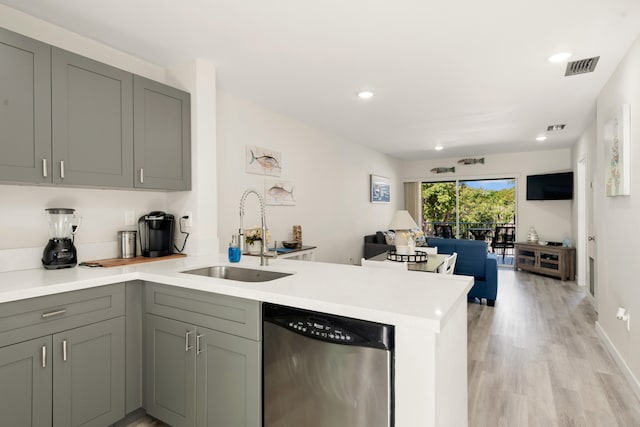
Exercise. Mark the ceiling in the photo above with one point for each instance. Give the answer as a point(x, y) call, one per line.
point(470, 76)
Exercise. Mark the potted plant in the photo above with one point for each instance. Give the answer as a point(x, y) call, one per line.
point(253, 237)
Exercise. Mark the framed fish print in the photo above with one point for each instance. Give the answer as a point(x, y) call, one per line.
point(617, 139)
point(380, 189)
point(262, 161)
point(278, 193)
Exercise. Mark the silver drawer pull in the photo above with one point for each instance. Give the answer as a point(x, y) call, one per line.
point(54, 313)
point(187, 347)
point(44, 356)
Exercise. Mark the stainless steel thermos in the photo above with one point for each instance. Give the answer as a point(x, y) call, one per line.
point(126, 244)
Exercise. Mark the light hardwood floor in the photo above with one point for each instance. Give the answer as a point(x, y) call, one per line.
point(535, 359)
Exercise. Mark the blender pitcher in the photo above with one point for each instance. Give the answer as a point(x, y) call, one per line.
point(60, 252)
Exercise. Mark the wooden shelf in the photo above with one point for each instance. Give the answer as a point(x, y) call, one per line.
point(557, 261)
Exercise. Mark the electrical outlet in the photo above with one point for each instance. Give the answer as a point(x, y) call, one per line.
point(129, 218)
point(189, 221)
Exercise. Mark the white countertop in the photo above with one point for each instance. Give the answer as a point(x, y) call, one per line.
point(416, 299)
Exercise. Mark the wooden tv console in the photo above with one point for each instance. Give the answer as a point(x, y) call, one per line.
point(555, 261)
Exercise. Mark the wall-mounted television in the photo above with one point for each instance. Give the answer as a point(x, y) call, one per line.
point(551, 186)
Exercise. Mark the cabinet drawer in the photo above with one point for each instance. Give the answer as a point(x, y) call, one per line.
point(236, 316)
point(35, 317)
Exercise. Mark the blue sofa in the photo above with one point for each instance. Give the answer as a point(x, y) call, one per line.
point(473, 260)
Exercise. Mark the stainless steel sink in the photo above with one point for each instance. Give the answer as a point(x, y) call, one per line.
point(238, 273)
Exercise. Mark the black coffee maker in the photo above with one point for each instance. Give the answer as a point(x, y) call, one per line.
point(156, 234)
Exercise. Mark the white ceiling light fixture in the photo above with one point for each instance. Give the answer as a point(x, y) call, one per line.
point(439, 147)
point(541, 138)
point(559, 57)
point(365, 94)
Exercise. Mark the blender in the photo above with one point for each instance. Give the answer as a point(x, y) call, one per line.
point(60, 251)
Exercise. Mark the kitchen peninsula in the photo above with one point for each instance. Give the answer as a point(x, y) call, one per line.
point(428, 312)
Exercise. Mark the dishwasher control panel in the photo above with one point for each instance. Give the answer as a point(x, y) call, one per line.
point(328, 327)
point(319, 330)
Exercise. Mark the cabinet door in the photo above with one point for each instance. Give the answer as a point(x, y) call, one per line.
point(92, 122)
point(162, 136)
point(228, 380)
point(25, 109)
point(25, 383)
point(170, 366)
point(88, 366)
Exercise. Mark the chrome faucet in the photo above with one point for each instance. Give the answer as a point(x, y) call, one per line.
point(264, 255)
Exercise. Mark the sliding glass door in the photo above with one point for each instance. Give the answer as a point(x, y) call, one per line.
point(469, 209)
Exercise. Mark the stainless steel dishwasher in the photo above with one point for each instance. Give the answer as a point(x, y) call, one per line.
point(321, 370)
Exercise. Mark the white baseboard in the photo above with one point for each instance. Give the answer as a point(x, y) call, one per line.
point(631, 379)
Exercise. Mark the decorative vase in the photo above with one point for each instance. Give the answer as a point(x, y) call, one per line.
point(254, 248)
point(532, 235)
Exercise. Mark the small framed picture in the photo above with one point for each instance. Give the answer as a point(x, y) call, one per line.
point(380, 189)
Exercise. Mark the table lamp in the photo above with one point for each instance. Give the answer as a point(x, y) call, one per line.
point(402, 223)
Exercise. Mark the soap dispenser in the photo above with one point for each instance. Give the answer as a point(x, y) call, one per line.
point(234, 250)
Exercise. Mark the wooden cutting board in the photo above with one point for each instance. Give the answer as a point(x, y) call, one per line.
point(118, 262)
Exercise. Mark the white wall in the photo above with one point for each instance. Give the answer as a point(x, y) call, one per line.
point(551, 218)
point(330, 175)
point(618, 228)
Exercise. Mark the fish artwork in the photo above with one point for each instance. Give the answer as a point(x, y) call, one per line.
point(267, 162)
point(263, 161)
point(471, 161)
point(279, 193)
point(443, 170)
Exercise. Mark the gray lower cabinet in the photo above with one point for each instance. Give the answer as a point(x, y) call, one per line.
point(88, 373)
point(62, 359)
point(25, 383)
point(197, 375)
point(162, 136)
point(25, 109)
point(92, 106)
point(73, 378)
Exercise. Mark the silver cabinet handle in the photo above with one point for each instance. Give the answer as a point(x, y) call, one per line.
point(64, 350)
point(198, 344)
point(61, 169)
point(54, 313)
point(44, 168)
point(187, 347)
point(44, 356)
point(141, 176)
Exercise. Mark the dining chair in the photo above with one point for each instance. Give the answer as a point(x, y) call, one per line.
point(392, 265)
point(428, 250)
point(443, 230)
point(449, 264)
point(503, 238)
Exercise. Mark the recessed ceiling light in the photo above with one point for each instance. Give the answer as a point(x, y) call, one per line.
point(541, 138)
point(559, 57)
point(439, 147)
point(365, 94)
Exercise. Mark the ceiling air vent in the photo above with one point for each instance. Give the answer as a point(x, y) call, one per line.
point(581, 66)
point(555, 128)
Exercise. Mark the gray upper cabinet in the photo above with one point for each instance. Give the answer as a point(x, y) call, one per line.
point(92, 122)
point(162, 136)
point(25, 109)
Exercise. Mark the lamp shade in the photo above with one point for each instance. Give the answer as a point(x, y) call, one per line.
point(402, 220)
